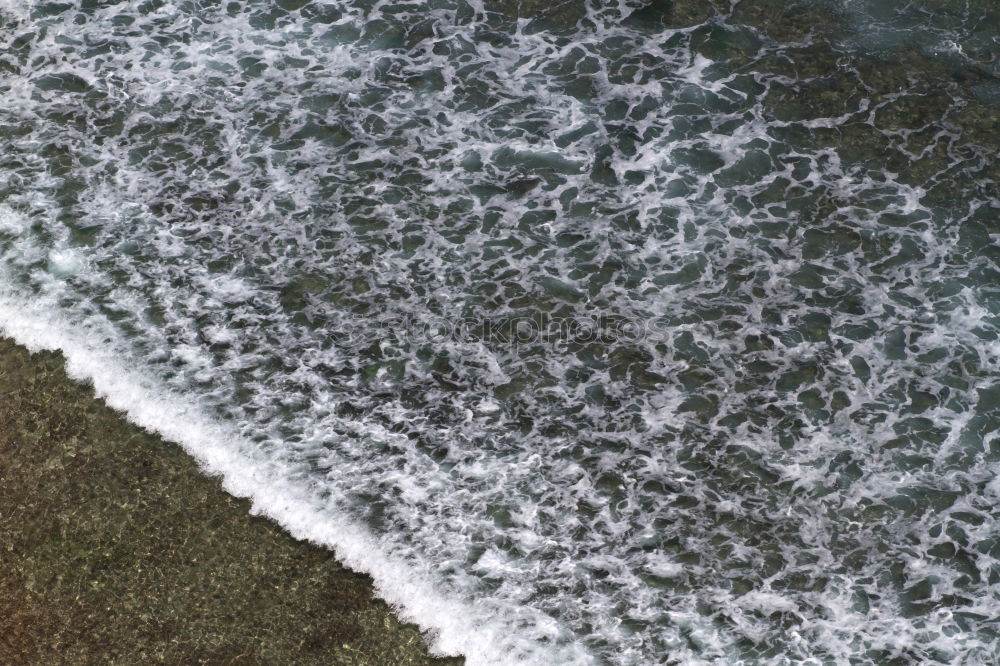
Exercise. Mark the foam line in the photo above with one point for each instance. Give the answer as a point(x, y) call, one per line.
point(451, 627)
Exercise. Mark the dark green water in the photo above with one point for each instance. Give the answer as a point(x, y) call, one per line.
point(596, 333)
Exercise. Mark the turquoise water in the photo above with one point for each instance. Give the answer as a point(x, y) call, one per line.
point(599, 333)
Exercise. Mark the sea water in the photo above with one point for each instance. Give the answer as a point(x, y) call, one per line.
point(597, 332)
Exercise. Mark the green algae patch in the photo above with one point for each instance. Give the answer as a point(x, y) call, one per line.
point(115, 549)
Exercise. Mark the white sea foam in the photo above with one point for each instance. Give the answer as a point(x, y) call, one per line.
point(578, 340)
point(13, 222)
point(64, 262)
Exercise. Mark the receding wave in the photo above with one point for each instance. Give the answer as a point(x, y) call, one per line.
point(607, 333)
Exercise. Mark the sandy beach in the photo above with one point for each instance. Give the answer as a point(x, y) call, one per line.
point(115, 549)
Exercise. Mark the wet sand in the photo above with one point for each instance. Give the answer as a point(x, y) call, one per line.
point(116, 549)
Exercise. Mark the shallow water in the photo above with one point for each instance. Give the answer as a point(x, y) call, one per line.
point(604, 334)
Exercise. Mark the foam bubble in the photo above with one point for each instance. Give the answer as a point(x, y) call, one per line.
point(13, 222)
point(65, 262)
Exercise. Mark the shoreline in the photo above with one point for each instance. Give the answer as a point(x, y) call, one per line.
point(117, 548)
